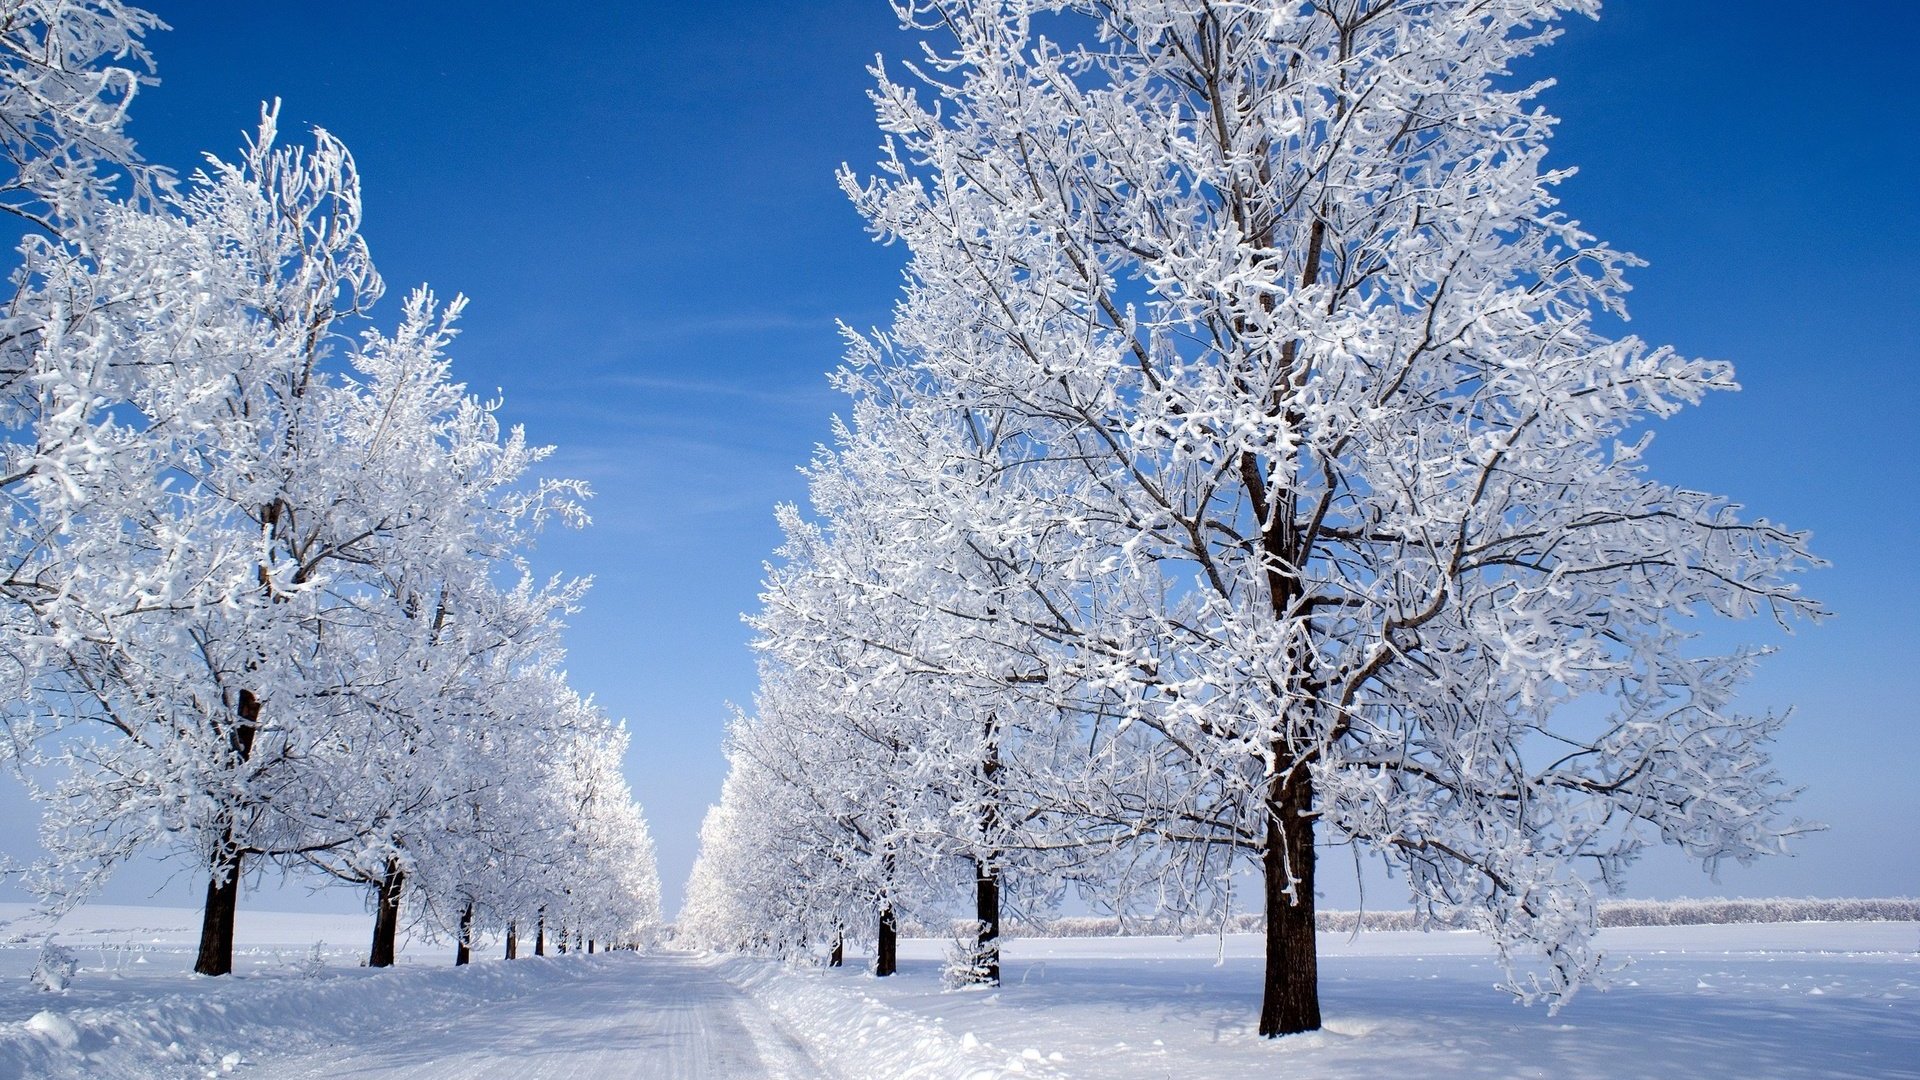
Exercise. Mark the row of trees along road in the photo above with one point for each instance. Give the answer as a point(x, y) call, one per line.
point(264, 596)
point(1246, 470)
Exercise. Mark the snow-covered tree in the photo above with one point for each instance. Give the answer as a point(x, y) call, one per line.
point(69, 69)
point(268, 506)
point(1298, 373)
point(771, 872)
point(68, 72)
point(537, 828)
point(608, 882)
point(463, 701)
point(722, 896)
point(817, 805)
point(288, 596)
point(891, 635)
point(440, 647)
point(264, 594)
point(831, 743)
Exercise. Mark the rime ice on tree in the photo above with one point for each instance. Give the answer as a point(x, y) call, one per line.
point(1246, 408)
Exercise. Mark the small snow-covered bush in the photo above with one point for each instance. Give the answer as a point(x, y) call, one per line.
point(314, 964)
point(967, 964)
point(55, 968)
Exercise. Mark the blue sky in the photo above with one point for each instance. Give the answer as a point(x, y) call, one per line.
point(639, 200)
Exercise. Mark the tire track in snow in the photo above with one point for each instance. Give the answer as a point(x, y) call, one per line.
point(662, 1016)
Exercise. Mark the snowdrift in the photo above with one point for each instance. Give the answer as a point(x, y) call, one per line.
point(147, 1028)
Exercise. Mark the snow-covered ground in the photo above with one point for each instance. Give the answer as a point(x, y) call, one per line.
point(1740, 1002)
point(1752, 1002)
point(134, 1011)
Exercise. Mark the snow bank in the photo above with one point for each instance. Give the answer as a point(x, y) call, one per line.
point(185, 1026)
point(855, 1034)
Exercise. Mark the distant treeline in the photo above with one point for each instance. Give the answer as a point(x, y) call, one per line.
point(1775, 909)
point(1612, 913)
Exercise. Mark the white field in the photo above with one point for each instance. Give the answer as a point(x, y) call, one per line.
point(1749, 1002)
point(1742, 1002)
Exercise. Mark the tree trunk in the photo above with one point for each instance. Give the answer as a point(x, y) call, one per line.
point(839, 955)
point(223, 886)
point(540, 934)
point(513, 941)
point(589, 946)
point(886, 950)
point(986, 874)
point(986, 914)
point(216, 921)
point(463, 953)
point(1291, 1002)
point(386, 915)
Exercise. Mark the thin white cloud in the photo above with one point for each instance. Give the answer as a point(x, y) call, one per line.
point(746, 389)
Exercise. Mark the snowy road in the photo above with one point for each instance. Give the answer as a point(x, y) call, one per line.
point(662, 1017)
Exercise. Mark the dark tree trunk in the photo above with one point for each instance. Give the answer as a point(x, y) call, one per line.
point(540, 934)
point(839, 955)
point(986, 914)
point(886, 949)
point(589, 946)
point(560, 942)
point(1291, 1002)
point(463, 953)
point(386, 915)
point(513, 941)
point(216, 922)
point(986, 873)
point(223, 885)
